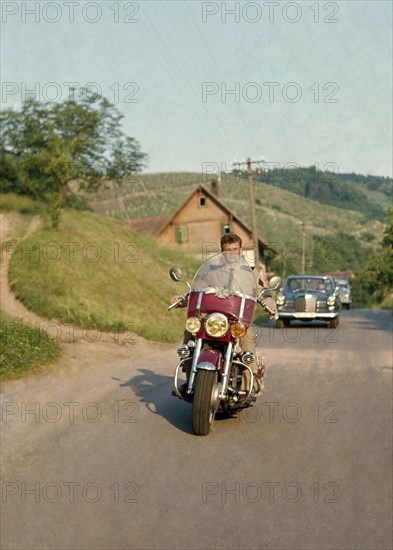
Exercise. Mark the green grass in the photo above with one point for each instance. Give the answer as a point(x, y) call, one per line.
point(95, 272)
point(388, 303)
point(24, 349)
point(11, 202)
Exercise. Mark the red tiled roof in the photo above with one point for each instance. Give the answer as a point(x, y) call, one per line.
point(152, 225)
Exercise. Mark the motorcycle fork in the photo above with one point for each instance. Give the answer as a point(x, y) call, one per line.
point(225, 373)
point(197, 351)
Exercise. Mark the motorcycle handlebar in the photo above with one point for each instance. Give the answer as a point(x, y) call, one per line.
point(273, 314)
point(174, 304)
point(179, 301)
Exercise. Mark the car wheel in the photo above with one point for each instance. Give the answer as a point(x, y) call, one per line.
point(333, 323)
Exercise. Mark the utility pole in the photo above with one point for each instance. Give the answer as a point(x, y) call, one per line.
point(253, 213)
point(251, 195)
point(303, 247)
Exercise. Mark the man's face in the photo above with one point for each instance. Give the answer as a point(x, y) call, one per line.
point(232, 252)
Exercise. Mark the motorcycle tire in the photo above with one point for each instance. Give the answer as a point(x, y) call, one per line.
point(204, 402)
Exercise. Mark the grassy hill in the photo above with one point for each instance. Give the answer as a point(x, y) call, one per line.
point(24, 348)
point(95, 272)
point(339, 236)
point(370, 195)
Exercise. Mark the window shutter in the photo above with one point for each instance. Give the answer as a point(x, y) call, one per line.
point(181, 234)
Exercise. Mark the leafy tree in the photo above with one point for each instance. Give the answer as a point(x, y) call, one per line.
point(45, 146)
point(377, 277)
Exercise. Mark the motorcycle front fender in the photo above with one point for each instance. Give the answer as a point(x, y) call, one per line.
point(209, 359)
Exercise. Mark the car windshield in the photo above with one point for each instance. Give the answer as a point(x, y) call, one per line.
point(226, 272)
point(312, 284)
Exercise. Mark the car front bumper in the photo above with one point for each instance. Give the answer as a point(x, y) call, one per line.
point(307, 315)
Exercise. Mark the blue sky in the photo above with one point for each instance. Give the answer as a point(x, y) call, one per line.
point(208, 82)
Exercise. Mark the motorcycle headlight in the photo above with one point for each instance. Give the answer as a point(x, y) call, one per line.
point(216, 325)
point(193, 325)
point(238, 330)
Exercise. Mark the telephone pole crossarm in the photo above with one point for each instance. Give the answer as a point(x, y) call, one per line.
point(251, 194)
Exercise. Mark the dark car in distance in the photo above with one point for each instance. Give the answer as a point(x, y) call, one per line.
point(308, 298)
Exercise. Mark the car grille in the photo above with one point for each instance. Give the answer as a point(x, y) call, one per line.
point(305, 303)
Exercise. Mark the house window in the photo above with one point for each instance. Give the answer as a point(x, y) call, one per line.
point(202, 201)
point(225, 228)
point(181, 234)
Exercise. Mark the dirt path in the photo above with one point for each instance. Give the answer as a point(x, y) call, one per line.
point(81, 347)
point(9, 304)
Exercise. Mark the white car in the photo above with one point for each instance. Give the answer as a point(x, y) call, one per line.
point(345, 292)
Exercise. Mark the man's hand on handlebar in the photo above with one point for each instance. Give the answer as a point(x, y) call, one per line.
point(269, 305)
point(178, 301)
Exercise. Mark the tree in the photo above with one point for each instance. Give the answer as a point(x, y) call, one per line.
point(45, 146)
point(377, 277)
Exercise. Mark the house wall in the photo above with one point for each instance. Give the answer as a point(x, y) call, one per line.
point(204, 226)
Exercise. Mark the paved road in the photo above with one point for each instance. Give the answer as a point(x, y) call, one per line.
point(107, 459)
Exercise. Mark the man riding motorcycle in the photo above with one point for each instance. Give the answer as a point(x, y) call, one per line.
point(231, 247)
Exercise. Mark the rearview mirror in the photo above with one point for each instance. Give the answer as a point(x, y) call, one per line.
point(175, 273)
point(275, 283)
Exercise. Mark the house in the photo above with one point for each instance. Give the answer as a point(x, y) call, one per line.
point(198, 224)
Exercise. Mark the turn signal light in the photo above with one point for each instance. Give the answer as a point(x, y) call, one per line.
point(238, 330)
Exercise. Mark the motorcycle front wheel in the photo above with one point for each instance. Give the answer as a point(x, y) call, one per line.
point(204, 402)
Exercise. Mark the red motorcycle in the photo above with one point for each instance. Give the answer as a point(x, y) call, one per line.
point(220, 306)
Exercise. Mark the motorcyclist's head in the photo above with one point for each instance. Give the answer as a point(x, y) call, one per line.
point(231, 239)
point(232, 244)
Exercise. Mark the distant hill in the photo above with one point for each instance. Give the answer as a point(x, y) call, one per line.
point(367, 194)
point(343, 213)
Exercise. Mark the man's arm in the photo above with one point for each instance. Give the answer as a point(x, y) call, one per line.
point(267, 301)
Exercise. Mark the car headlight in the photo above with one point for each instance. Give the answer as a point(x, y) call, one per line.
point(216, 325)
point(193, 325)
point(331, 301)
point(280, 301)
point(238, 330)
